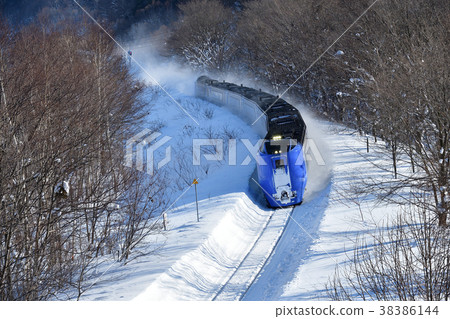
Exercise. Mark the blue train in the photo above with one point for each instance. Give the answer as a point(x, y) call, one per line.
point(281, 168)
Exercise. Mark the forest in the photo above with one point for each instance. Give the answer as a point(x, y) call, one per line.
point(386, 76)
point(67, 103)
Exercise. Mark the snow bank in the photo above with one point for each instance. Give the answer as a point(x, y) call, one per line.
point(199, 274)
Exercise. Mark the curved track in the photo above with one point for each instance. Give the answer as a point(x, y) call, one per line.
point(290, 251)
point(254, 261)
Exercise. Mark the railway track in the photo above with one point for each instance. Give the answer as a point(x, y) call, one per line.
point(238, 283)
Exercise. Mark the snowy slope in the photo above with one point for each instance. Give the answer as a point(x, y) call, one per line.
point(200, 274)
point(240, 249)
point(326, 227)
point(344, 219)
point(195, 259)
point(225, 209)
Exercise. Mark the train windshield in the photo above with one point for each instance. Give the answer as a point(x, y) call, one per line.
point(271, 148)
point(277, 146)
point(279, 163)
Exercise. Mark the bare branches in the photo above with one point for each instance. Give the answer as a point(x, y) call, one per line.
point(68, 103)
point(203, 36)
point(404, 76)
point(407, 260)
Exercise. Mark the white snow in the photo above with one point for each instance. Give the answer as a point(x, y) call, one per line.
point(200, 274)
point(240, 249)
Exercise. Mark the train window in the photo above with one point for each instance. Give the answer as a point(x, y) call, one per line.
point(279, 163)
point(271, 148)
point(278, 146)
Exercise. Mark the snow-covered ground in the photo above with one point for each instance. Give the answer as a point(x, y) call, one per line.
point(240, 249)
point(324, 229)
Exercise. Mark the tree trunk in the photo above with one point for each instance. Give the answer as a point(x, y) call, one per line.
point(394, 157)
point(442, 219)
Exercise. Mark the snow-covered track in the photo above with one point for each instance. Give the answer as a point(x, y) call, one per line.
point(238, 283)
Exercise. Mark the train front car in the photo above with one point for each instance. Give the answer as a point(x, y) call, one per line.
point(282, 167)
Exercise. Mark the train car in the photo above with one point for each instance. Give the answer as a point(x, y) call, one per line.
point(282, 168)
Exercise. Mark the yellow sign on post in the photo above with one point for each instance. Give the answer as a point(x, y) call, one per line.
point(195, 182)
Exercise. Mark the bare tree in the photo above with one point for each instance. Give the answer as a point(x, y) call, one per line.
point(203, 36)
point(406, 260)
point(401, 61)
point(67, 104)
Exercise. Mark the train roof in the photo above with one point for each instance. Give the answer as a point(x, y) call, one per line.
point(283, 119)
